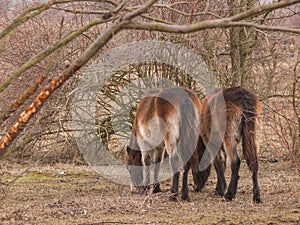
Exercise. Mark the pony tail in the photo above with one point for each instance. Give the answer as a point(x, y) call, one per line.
point(249, 129)
point(189, 132)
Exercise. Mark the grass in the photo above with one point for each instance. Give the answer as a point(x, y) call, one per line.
point(68, 194)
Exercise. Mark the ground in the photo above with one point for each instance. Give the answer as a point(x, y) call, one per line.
point(69, 194)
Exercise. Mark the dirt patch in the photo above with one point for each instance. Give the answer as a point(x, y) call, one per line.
point(67, 194)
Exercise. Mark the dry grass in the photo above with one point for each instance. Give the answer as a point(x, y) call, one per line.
point(67, 194)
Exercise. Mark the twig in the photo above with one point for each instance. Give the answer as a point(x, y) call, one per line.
point(76, 11)
point(139, 11)
point(170, 7)
point(37, 58)
point(278, 113)
point(34, 11)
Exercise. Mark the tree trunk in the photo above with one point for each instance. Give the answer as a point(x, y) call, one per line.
point(241, 44)
point(234, 46)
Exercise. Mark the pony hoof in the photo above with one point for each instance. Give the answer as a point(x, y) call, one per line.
point(185, 198)
point(219, 194)
point(229, 197)
point(156, 189)
point(257, 200)
point(173, 197)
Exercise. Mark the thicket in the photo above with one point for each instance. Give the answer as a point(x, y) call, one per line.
point(264, 60)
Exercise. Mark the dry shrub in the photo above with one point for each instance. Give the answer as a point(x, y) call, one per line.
point(49, 137)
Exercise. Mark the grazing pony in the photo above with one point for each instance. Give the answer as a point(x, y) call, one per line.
point(240, 121)
point(165, 119)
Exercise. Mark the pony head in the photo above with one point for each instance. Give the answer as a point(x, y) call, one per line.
point(135, 169)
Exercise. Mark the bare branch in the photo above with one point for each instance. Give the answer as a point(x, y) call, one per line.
point(76, 11)
point(81, 11)
point(235, 20)
point(27, 114)
point(23, 18)
point(170, 7)
point(262, 9)
point(266, 27)
point(139, 11)
point(37, 58)
point(34, 11)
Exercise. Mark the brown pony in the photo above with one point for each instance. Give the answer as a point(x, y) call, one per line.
point(166, 119)
point(223, 130)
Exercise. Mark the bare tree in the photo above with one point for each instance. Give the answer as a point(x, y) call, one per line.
point(92, 25)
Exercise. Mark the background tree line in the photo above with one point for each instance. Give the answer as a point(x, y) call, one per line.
point(243, 42)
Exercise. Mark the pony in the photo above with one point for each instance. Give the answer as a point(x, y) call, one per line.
point(166, 120)
point(240, 121)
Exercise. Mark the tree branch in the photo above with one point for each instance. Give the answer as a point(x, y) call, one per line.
point(35, 11)
point(170, 7)
point(36, 105)
point(139, 11)
point(235, 20)
point(262, 9)
point(37, 58)
point(81, 11)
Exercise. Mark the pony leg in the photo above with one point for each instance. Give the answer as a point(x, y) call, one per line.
point(184, 189)
point(158, 155)
point(220, 166)
point(156, 185)
point(171, 147)
point(186, 168)
point(146, 170)
point(235, 166)
point(199, 177)
point(256, 190)
point(174, 163)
